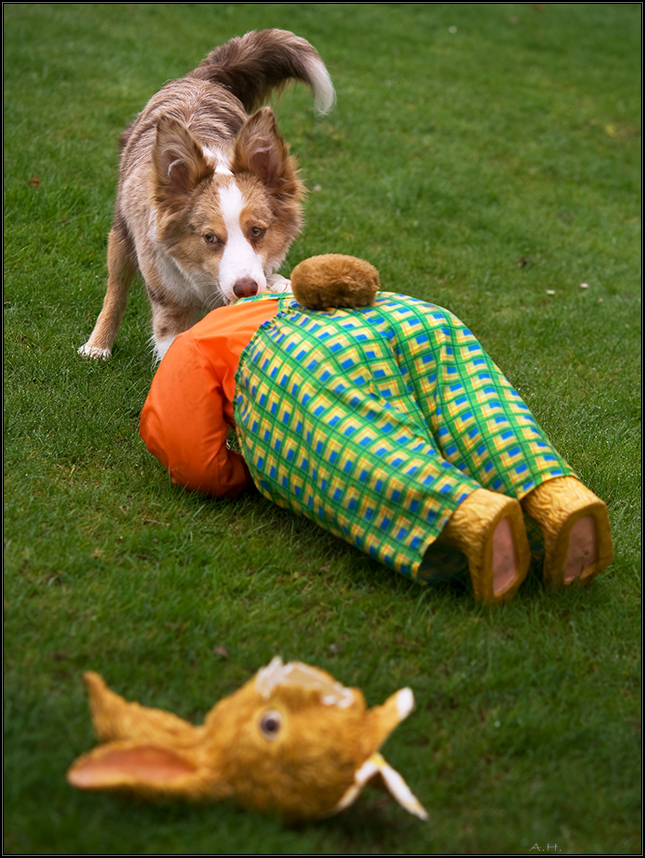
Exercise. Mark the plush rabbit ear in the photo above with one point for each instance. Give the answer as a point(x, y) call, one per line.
point(145, 769)
point(116, 719)
point(377, 768)
point(147, 751)
point(381, 720)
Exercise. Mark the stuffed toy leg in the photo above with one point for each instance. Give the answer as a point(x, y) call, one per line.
point(489, 529)
point(575, 526)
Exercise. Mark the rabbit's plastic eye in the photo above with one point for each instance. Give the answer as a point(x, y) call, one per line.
point(270, 724)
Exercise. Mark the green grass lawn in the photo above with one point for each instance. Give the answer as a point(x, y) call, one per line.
point(483, 156)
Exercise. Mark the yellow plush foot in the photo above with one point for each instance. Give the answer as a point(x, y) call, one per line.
point(489, 528)
point(575, 526)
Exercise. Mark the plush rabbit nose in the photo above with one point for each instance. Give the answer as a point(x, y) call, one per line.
point(245, 287)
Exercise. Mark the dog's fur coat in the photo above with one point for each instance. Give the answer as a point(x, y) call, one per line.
point(209, 198)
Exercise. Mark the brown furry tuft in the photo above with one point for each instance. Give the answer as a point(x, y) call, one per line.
point(334, 280)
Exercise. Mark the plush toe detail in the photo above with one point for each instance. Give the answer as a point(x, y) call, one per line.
point(489, 528)
point(575, 526)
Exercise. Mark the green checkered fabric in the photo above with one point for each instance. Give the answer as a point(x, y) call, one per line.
point(377, 423)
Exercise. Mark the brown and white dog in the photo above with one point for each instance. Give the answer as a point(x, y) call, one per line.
point(209, 198)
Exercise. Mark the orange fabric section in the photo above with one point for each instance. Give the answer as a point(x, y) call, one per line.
point(190, 407)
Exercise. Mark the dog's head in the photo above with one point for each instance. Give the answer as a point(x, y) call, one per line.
point(227, 219)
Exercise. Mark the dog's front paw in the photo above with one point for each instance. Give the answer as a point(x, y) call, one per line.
point(277, 284)
point(93, 352)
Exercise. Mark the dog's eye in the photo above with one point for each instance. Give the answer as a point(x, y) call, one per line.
point(270, 724)
point(257, 232)
point(211, 238)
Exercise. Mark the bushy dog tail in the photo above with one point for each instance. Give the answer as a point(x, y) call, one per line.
point(254, 65)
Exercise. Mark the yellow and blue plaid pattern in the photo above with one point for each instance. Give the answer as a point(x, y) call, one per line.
point(377, 423)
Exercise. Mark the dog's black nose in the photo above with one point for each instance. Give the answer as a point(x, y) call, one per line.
point(245, 287)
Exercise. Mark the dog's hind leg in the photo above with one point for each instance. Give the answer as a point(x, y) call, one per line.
point(122, 267)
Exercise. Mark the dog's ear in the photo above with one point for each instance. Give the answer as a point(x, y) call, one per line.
point(261, 151)
point(178, 160)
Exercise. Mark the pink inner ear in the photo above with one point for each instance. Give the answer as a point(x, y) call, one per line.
point(144, 763)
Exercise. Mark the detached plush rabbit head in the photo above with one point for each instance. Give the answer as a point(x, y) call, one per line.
point(292, 741)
